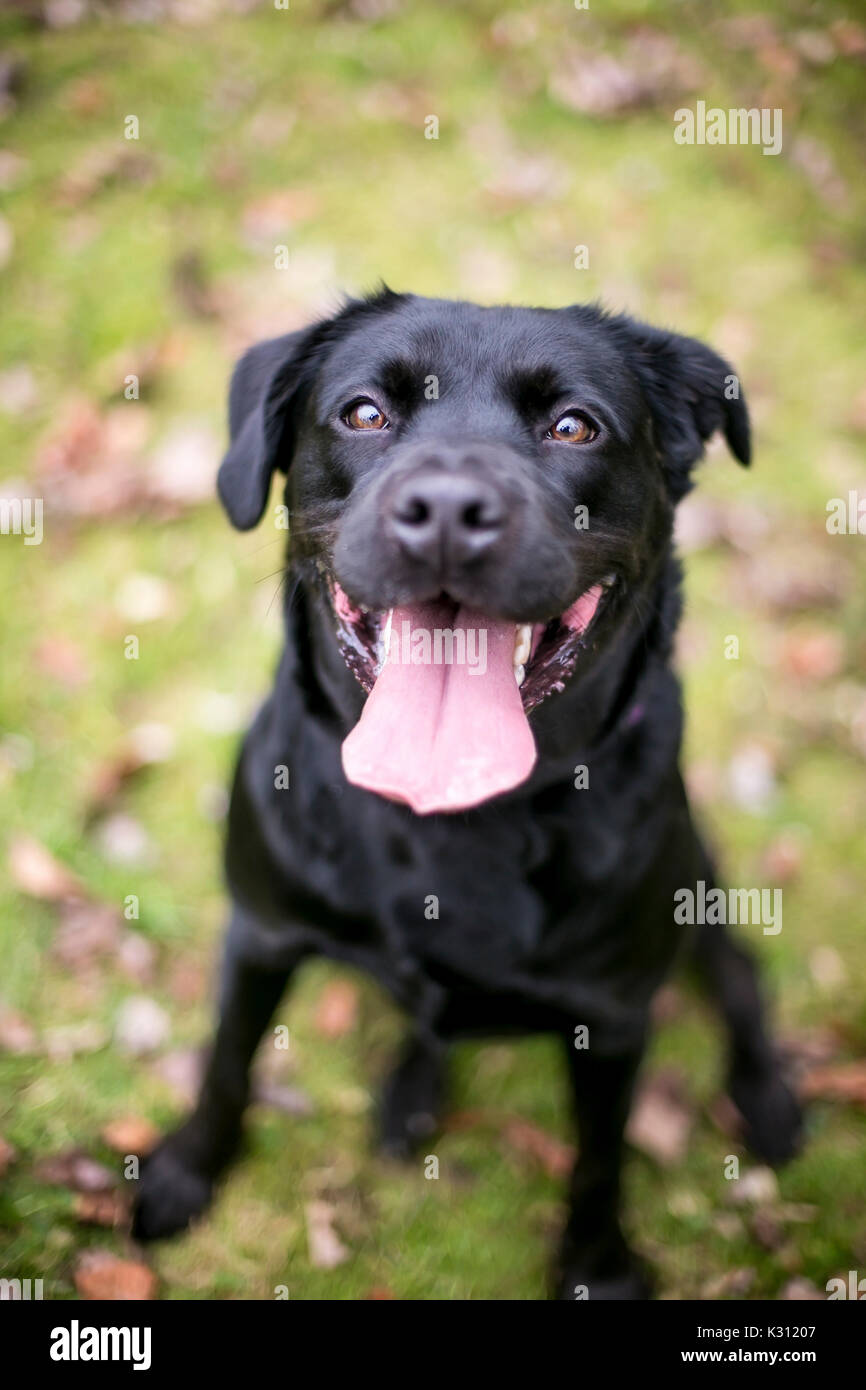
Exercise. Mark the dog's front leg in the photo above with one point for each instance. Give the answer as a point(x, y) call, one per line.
point(595, 1261)
point(177, 1179)
point(413, 1097)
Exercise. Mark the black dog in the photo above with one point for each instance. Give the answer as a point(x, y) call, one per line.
point(481, 503)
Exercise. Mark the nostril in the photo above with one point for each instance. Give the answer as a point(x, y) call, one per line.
point(414, 511)
point(480, 515)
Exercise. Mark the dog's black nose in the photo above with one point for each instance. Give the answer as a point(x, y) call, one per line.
point(446, 518)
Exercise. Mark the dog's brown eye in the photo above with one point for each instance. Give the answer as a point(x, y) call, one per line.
point(573, 429)
point(365, 415)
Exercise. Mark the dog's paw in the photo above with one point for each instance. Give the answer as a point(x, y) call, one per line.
point(402, 1139)
point(171, 1194)
point(575, 1285)
point(411, 1104)
point(772, 1116)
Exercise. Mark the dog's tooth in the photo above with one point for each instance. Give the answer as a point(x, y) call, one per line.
point(519, 674)
point(608, 580)
point(522, 645)
point(385, 638)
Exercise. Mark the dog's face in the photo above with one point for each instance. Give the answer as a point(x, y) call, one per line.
point(483, 492)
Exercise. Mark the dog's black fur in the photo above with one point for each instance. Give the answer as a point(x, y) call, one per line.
point(555, 904)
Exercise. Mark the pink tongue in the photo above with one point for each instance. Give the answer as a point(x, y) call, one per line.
point(443, 737)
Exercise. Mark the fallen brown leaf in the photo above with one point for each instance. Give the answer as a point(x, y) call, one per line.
point(661, 1118)
point(84, 470)
point(325, 1247)
point(101, 1275)
point(100, 166)
point(191, 283)
point(13, 80)
point(783, 857)
point(187, 981)
point(141, 1025)
point(650, 68)
point(813, 654)
point(757, 1186)
point(7, 1155)
point(735, 1283)
point(101, 1208)
point(725, 1116)
point(775, 577)
point(19, 392)
point(150, 361)
point(728, 1225)
point(87, 931)
point(181, 1069)
point(815, 161)
point(812, 1047)
point(846, 1082)
point(752, 775)
point(667, 1004)
point(291, 1100)
point(182, 470)
point(110, 778)
point(849, 38)
point(458, 1120)
point(827, 967)
point(7, 242)
point(801, 1290)
point(767, 1229)
point(123, 840)
point(130, 1134)
point(387, 101)
point(271, 218)
point(523, 179)
point(553, 1155)
point(337, 1009)
point(62, 659)
point(17, 1035)
point(136, 958)
point(35, 871)
point(85, 97)
point(76, 1170)
point(95, 462)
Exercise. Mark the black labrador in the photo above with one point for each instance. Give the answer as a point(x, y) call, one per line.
point(466, 779)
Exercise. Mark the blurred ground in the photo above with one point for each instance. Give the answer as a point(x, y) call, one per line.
point(154, 258)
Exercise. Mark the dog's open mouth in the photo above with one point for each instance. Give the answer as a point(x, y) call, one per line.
point(445, 726)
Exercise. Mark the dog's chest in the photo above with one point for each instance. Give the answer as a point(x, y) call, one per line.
point(482, 897)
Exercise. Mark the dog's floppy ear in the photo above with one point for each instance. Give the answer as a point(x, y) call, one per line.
point(264, 389)
point(691, 392)
point(267, 388)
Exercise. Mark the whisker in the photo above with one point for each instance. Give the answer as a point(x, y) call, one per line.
point(284, 576)
point(277, 540)
point(640, 618)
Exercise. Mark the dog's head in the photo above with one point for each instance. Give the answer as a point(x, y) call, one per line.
point(483, 494)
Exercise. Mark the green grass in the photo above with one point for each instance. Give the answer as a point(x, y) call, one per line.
point(721, 242)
